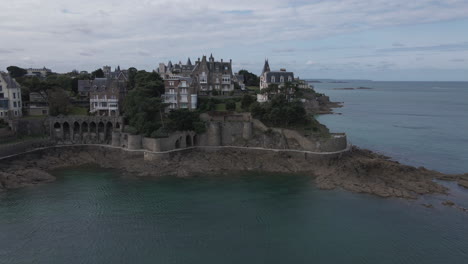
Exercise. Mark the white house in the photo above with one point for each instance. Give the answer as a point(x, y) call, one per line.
point(10, 97)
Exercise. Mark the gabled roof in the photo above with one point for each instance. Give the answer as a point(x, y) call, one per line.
point(11, 83)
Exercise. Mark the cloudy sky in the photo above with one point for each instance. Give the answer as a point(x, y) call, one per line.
point(358, 39)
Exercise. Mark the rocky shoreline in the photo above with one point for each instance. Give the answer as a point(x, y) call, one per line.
point(359, 170)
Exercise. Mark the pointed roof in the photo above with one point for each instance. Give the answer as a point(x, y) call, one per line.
point(189, 62)
point(266, 67)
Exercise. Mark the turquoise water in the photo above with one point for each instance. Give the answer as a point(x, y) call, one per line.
point(91, 215)
point(417, 123)
point(94, 216)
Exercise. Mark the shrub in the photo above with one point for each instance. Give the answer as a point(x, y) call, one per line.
point(131, 130)
point(215, 93)
point(230, 105)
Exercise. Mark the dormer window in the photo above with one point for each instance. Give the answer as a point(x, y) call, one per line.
point(282, 79)
point(272, 79)
point(289, 79)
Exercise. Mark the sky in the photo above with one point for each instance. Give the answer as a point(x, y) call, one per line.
point(340, 39)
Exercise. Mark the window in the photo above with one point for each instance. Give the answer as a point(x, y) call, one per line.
point(184, 91)
point(217, 80)
point(14, 95)
point(1, 95)
point(171, 91)
point(14, 104)
point(282, 79)
point(16, 113)
point(171, 83)
point(44, 112)
point(1, 113)
point(289, 79)
point(203, 78)
point(1, 88)
point(272, 79)
point(104, 104)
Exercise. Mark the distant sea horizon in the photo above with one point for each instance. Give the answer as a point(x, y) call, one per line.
point(419, 123)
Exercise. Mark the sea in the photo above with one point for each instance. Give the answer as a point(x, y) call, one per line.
point(93, 215)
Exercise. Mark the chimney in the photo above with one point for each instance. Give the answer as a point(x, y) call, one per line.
point(221, 60)
point(283, 69)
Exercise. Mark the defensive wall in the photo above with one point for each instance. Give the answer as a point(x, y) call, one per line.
point(239, 131)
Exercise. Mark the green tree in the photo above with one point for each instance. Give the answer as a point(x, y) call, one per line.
point(250, 79)
point(230, 105)
point(59, 103)
point(246, 101)
point(185, 120)
point(16, 72)
point(97, 74)
point(131, 77)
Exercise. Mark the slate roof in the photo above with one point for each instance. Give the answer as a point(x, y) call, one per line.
point(11, 83)
point(277, 75)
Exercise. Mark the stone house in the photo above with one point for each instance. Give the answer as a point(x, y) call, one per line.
point(180, 93)
point(210, 75)
point(105, 95)
point(207, 75)
point(10, 97)
point(269, 77)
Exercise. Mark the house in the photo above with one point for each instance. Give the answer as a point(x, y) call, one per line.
point(10, 97)
point(240, 80)
point(180, 93)
point(37, 105)
point(269, 77)
point(207, 75)
point(184, 70)
point(105, 95)
point(210, 75)
point(38, 72)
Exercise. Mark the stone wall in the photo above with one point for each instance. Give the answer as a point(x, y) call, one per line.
point(83, 129)
point(20, 147)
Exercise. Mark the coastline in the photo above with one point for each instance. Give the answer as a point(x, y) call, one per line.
point(359, 170)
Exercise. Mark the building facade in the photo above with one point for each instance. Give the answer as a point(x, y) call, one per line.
point(269, 77)
point(207, 75)
point(105, 95)
point(39, 72)
point(37, 105)
point(10, 97)
point(180, 93)
point(210, 75)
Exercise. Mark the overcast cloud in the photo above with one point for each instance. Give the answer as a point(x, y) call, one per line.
point(305, 36)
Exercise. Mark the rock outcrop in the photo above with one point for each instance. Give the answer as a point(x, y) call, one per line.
point(358, 171)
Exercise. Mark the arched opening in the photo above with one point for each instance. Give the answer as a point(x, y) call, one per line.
point(195, 140)
point(117, 126)
point(177, 144)
point(92, 127)
point(188, 141)
point(109, 131)
point(66, 130)
point(101, 127)
point(76, 130)
point(84, 127)
point(57, 129)
point(112, 113)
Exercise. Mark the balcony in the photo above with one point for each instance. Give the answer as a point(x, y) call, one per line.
point(170, 98)
point(184, 99)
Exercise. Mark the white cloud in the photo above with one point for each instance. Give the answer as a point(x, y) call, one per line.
point(63, 34)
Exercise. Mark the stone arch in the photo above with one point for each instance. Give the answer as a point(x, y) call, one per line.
point(101, 127)
point(188, 140)
point(177, 144)
point(109, 131)
point(84, 127)
point(76, 130)
point(195, 140)
point(117, 125)
point(66, 131)
point(57, 130)
point(113, 113)
point(92, 127)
